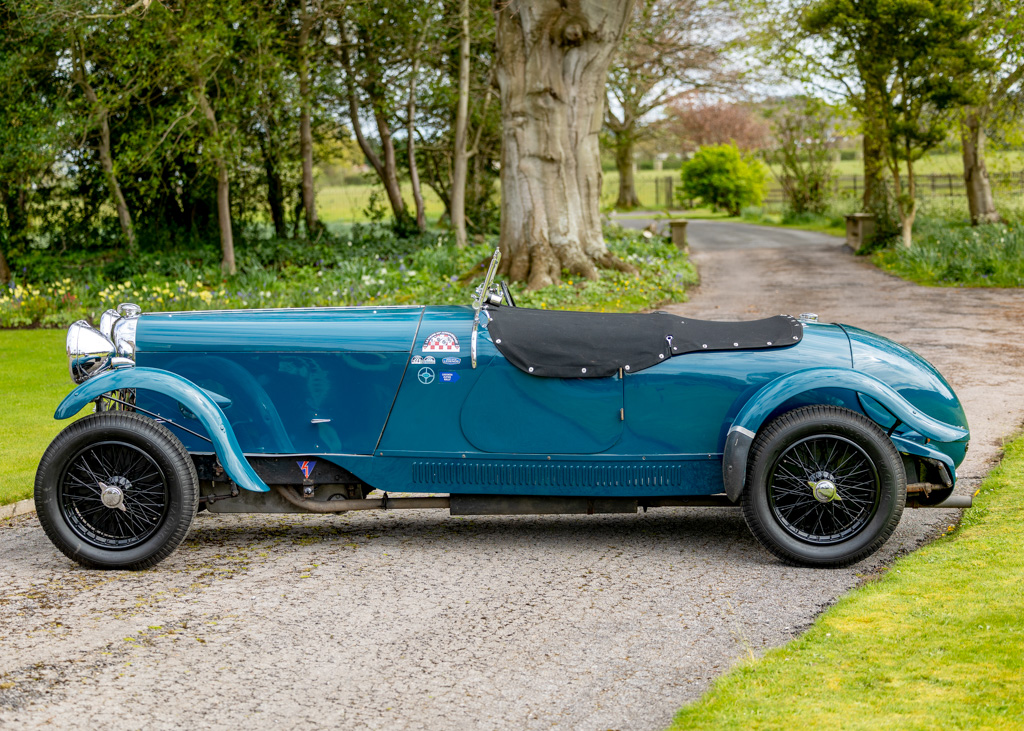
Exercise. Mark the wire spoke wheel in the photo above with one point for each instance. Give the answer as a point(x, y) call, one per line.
point(114, 495)
point(823, 489)
point(116, 490)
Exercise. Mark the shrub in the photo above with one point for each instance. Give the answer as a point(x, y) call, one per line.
point(804, 129)
point(724, 179)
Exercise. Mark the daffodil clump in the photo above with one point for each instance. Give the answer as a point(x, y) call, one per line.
point(342, 274)
point(40, 304)
point(960, 256)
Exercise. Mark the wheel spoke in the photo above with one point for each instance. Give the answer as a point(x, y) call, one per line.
point(811, 516)
point(132, 516)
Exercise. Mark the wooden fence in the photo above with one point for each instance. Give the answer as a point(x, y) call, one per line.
point(659, 192)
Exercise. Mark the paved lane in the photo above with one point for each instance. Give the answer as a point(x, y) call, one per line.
point(416, 620)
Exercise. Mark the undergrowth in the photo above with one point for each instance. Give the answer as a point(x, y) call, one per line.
point(952, 255)
point(367, 265)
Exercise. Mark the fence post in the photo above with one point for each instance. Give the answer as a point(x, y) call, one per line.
point(668, 192)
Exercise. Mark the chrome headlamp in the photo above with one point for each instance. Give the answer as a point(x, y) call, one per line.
point(92, 351)
point(123, 331)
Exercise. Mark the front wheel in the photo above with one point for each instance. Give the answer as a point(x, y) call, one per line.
point(825, 487)
point(116, 490)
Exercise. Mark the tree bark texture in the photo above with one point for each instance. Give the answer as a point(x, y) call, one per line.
point(410, 143)
point(124, 217)
point(874, 168)
point(15, 206)
point(227, 241)
point(552, 63)
point(386, 169)
point(305, 124)
point(460, 168)
point(390, 169)
point(979, 189)
point(627, 180)
point(5, 270)
point(275, 186)
point(906, 202)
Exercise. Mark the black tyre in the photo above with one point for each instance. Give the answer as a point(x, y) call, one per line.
point(116, 490)
point(825, 487)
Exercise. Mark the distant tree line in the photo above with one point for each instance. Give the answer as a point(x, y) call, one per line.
point(192, 118)
point(913, 72)
point(185, 120)
point(174, 121)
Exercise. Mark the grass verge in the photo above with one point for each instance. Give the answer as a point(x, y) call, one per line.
point(938, 642)
point(35, 379)
point(958, 255)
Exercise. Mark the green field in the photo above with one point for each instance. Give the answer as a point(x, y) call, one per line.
point(349, 203)
point(936, 643)
point(35, 378)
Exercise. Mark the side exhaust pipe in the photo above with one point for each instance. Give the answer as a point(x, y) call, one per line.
point(957, 502)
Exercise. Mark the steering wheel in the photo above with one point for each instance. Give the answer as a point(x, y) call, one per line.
point(506, 294)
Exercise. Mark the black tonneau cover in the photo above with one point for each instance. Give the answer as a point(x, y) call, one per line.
point(558, 344)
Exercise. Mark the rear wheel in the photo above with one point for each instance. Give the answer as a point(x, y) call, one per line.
point(116, 490)
point(825, 487)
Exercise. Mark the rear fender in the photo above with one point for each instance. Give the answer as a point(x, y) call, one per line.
point(195, 399)
point(771, 396)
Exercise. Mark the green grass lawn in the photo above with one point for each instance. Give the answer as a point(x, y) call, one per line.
point(938, 642)
point(34, 374)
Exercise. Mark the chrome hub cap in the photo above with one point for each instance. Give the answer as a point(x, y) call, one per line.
point(824, 491)
point(112, 496)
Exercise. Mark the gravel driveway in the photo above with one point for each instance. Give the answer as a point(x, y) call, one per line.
point(418, 620)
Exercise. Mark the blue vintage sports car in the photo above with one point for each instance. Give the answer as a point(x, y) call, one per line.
point(821, 433)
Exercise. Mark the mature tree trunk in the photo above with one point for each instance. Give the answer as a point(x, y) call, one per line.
point(5, 270)
point(390, 169)
point(124, 217)
point(624, 163)
point(874, 168)
point(16, 208)
point(17, 219)
point(460, 168)
point(906, 202)
point(410, 142)
point(979, 190)
point(227, 241)
point(386, 169)
point(275, 186)
point(107, 161)
point(553, 59)
point(305, 125)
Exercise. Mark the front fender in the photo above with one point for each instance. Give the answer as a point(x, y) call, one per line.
point(188, 394)
point(753, 414)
